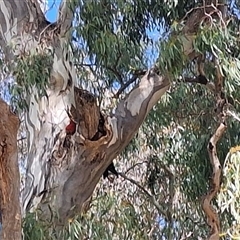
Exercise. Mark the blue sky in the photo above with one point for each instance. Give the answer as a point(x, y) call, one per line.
point(51, 14)
point(151, 51)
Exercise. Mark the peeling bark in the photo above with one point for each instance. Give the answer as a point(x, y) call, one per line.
point(71, 143)
point(212, 216)
point(74, 169)
point(9, 175)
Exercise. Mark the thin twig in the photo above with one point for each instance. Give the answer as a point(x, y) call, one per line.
point(133, 166)
point(149, 195)
point(116, 73)
point(135, 76)
point(200, 7)
point(233, 114)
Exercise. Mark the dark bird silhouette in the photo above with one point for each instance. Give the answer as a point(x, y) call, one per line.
point(110, 169)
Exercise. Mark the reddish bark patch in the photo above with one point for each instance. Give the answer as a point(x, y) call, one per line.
point(9, 175)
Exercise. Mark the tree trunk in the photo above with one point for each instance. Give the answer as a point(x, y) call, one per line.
point(9, 175)
point(71, 142)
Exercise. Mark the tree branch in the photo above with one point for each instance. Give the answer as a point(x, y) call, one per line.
point(135, 76)
point(135, 165)
point(65, 16)
point(18, 19)
point(116, 73)
point(212, 216)
point(201, 80)
point(149, 195)
point(38, 10)
point(233, 114)
point(131, 111)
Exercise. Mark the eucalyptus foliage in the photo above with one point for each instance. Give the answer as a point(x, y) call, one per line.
point(31, 72)
point(110, 37)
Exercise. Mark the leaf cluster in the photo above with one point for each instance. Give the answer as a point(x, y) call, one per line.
point(32, 74)
point(115, 34)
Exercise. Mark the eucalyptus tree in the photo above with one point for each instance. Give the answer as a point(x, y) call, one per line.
point(96, 51)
